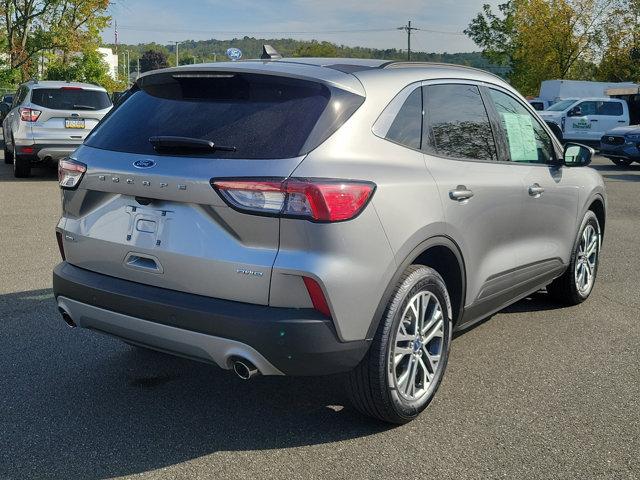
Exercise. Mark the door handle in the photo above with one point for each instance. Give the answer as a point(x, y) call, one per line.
point(460, 193)
point(622, 121)
point(535, 190)
point(593, 120)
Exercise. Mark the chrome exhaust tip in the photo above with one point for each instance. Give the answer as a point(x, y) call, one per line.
point(245, 369)
point(66, 317)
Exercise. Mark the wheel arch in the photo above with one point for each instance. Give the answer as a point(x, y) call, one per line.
point(596, 205)
point(443, 255)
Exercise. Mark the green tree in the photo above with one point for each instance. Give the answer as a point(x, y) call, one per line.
point(316, 49)
point(30, 27)
point(87, 67)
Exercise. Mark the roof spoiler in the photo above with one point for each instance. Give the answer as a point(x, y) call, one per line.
point(269, 53)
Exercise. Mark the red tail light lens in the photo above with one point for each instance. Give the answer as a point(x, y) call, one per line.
point(29, 114)
point(317, 296)
point(70, 173)
point(318, 200)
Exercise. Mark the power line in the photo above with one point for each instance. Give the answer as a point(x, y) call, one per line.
point(282, 32)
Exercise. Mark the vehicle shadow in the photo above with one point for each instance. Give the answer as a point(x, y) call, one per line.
point(536, 302)
point(76, 404)
point(634, 167)
point(45, 173)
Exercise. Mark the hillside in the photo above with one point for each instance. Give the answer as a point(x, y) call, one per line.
point(208, 50)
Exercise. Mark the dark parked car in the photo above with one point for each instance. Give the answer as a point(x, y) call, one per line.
point(621, 145)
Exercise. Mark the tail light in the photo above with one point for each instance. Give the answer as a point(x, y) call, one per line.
point(29, 114)
point(70, 173)
point(317, 200)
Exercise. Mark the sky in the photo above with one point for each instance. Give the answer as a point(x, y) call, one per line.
point(368, 23)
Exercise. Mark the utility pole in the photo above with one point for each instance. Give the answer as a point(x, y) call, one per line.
point(128, 66)
point(408, 28)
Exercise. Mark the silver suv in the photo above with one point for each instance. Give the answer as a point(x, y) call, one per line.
point(49, 120)
point(320, 216)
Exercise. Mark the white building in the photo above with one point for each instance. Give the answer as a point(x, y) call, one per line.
point(110, 59)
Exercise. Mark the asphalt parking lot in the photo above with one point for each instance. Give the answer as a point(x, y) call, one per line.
point(534, 392)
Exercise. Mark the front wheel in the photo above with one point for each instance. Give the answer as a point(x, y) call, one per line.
point(576, 284)
point(404, 366)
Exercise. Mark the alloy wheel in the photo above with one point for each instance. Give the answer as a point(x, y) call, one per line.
point(585, 269)
point(415, 357)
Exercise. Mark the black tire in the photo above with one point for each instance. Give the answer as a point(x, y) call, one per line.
point(371, 386)
point(21, 166)
point(8, 155)
point(621, 162)
point(564, 289)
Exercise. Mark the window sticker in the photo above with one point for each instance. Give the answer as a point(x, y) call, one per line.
point(521, 136)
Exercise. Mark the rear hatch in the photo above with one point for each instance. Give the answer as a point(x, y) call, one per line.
point(68, 113)
point(145, 210)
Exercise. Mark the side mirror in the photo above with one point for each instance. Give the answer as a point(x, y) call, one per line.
point(577, 155)
point(575, 112)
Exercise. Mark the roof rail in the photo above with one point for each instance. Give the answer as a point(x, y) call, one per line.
point(406, 64)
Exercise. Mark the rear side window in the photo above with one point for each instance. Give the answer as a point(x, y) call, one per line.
point(610, 108)
point(262, 116)
point(70, 98)
point(406, 128)
point(457, 124)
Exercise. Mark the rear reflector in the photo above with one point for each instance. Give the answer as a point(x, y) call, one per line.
point(70, 173)
point(318, 200)
point(60, 245)
point(26, 150)
point(317, 296)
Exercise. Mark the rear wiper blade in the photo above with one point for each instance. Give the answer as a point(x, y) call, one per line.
point(83, 107)
point(168, 142)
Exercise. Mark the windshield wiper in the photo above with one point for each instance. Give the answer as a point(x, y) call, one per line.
point(168, 142)
point(83, 107)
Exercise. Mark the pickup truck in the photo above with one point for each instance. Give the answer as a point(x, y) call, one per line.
point(586, 120)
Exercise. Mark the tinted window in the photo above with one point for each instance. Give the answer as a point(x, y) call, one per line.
point(406, 128)
point(537, 105)
point(527, 139)
point(610, 108)
point(457, 123)
point(263, 116)
point(70, 98)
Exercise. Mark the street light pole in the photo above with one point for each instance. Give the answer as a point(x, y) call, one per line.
point(177, 54)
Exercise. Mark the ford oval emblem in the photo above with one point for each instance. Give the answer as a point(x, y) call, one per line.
point(234, 53)
point(144, 163)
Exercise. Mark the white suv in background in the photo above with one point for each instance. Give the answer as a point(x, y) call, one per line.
point(49, 120)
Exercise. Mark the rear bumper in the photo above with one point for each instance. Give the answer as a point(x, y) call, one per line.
point(46, 152)
point(277, 340)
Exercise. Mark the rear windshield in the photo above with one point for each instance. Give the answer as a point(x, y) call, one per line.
point(70, 98)
point(262, 116)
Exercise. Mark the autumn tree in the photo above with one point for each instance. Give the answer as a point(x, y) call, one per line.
point(621, 45)
point(542, 39)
